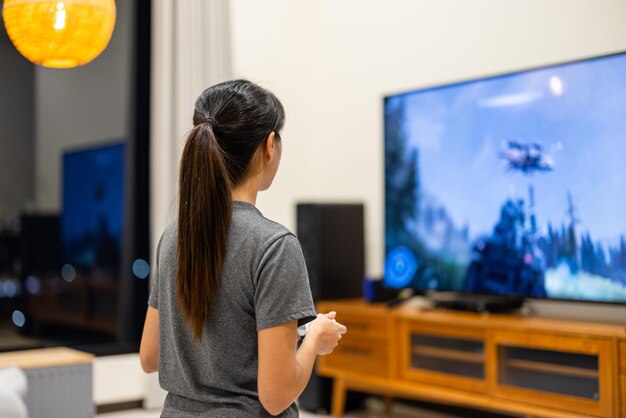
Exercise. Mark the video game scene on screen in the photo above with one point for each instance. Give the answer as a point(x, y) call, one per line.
point(511, 185)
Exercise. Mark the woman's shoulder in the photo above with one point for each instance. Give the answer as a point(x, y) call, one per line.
point(167, 242)
point(251, 223)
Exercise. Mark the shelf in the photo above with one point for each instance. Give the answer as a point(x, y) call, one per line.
point(445, 353)
point(551, 368)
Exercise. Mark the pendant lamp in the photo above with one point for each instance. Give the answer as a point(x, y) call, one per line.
point(59, 34)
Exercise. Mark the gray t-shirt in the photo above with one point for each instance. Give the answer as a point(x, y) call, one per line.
point(264, 284)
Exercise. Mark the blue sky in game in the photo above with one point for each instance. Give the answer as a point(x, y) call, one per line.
point(577, 112)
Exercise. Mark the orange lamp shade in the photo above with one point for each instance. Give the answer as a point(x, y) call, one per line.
point(59, 34)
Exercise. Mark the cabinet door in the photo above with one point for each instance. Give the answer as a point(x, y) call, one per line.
point(365, 349)
point(442, 355)
point(359, 355)
point(566, 373)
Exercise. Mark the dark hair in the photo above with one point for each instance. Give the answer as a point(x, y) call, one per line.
point(231, 120)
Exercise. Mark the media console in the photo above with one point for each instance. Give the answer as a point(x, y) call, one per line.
point(515, 364)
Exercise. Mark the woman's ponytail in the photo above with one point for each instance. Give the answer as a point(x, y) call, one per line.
point(216, 158)
point(204, 214)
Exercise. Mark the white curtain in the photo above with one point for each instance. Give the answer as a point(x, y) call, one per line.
point(190, 51)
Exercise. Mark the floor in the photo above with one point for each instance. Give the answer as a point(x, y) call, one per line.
point(375, 409)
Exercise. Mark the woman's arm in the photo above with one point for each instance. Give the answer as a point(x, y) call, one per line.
point(285, 371)
point(149, 350)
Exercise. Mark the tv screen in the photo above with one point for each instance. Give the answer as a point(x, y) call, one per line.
point(93, 207)
point(511, 185)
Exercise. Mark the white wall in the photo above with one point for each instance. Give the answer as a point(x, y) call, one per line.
point(331, 62)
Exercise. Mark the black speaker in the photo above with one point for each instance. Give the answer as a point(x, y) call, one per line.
point(333, 242)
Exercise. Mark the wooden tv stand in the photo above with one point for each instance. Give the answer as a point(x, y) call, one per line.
point(528, 366)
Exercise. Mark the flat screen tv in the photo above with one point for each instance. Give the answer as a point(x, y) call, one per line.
point(93, 207)
point(510, 185)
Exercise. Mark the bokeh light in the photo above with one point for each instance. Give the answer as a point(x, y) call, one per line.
point(68, 272)
point(18, 318)
point(10, 289)
point(33, 285)
point(141, 268)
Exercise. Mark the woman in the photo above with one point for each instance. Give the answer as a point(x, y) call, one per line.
point(231, 286)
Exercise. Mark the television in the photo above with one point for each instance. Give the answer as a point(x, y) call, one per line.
point(510, 185)
point(93, 208)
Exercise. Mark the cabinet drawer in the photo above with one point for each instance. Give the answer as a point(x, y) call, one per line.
point(365, 326)
point(359, 354)
point(622, 356)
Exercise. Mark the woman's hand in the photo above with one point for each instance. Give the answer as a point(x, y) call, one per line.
point(325, 333)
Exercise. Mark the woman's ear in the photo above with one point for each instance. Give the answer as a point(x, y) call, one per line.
point(270, 146)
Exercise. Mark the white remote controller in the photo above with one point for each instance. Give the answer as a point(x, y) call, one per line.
point(302, 329)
